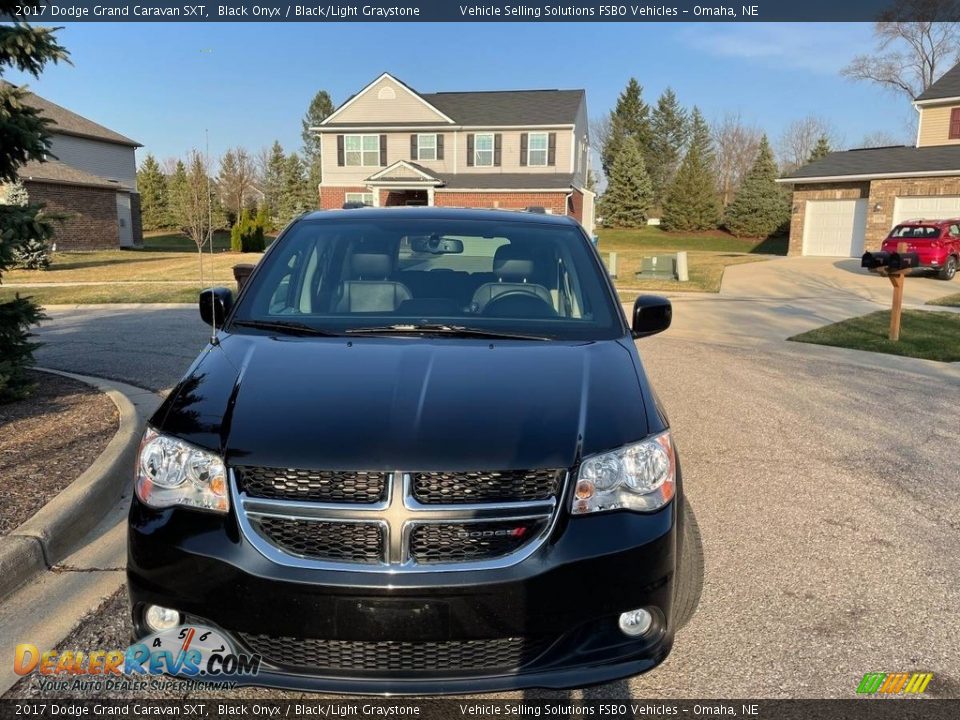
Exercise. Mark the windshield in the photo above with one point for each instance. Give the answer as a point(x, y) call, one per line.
point(915, 231)
point(517, 278)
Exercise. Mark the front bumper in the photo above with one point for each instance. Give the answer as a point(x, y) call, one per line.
point(563, 602)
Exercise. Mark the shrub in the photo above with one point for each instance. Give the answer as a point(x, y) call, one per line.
point(247, 234)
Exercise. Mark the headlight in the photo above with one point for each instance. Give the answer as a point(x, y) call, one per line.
point(171, 472)
point(641, 476)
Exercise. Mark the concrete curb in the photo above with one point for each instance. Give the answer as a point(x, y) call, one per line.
point(49, 536)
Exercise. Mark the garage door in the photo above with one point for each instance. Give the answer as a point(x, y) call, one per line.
point(926, 208)
point(834, 228)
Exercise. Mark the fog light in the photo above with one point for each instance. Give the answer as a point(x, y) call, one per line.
point(635, 622)
point(159, 618)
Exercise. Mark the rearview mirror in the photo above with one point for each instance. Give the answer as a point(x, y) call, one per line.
point(652, 314)
point(215, 304)
point(436, 245)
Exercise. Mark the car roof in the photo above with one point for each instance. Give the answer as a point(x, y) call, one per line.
point(439, 213)
point(944, 221)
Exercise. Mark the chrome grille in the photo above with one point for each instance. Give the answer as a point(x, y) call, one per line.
point(470, 487)
point(313, 485)
point(399, 531)
point(448, 656)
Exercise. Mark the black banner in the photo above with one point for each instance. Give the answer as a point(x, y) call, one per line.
point(56, 11)
point(471, 709)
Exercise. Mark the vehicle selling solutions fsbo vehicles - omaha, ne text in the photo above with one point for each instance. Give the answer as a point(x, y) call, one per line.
point(420, 455)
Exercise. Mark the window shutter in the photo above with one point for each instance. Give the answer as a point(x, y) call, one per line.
point(470, 150)
point(955, 124)
point(383, 149)
point(497, 147)
point(439, 147)
point(340, 160)
point(523, 148)
point(552, 150)
point(413, 147)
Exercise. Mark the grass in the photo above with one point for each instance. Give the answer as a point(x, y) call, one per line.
point(87, 294)
point(708, 255)
point(947, 301)
point(923, 334)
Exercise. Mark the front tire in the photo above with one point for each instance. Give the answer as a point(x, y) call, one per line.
point(949, 269)
point(689, 579)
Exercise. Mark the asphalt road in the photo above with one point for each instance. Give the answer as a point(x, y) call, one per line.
point(827, 495)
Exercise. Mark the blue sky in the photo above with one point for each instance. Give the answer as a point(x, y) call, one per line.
point(250, 83)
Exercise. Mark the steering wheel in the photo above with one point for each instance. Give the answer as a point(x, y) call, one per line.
point(518, 303)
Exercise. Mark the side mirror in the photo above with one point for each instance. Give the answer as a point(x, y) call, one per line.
point(215, 304)
point(652, 314)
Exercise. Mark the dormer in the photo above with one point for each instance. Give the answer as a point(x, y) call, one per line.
point(939, 108)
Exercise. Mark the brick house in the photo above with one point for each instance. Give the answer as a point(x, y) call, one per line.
point(848, 201)
point(390, 145)
point(90, 177)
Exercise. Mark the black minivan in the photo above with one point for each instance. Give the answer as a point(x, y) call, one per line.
point(419, 455)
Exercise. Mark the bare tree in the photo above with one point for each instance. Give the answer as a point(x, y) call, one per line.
point(798, 140)
point(910, 56)
point(236, 180)
point(193, 202)
point(879, 139)
point(735, 148)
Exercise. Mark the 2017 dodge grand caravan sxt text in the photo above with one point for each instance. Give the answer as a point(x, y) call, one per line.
point(420, 455)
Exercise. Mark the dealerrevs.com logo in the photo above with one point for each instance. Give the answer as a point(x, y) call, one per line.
point(190, 652)
point(894, 683)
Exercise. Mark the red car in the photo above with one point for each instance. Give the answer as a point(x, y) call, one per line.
point(937, 242)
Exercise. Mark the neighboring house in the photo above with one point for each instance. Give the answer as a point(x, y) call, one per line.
point(511, 149)
point(90, 177)
point(848, 201)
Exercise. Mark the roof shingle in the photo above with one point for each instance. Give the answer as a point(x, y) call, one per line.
point(68, 122)
point(900, 161)
point(948, 86)
point(58, 172)
point(509, 107)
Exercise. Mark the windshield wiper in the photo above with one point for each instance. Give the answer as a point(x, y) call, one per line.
point(287, 327)
point(442, 329)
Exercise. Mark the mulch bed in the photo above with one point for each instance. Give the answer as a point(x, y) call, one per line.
point(47, 441)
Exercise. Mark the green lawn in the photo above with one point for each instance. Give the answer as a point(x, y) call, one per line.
point(948, 301)
point(923, 334)
point(708, 254)
point(86, 294)
point(163, 241)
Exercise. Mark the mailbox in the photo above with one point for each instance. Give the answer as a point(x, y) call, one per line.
point(903, 261)
point(875, 260)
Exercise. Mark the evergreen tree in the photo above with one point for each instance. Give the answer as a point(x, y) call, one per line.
point(669, 132)
point(176, 194)
point(820, 150)
point(626, 202)
point(692, 202)
point(760, 207)
point(321, 107)
point(24, 136)
point(272, 181)
point(154, 203)
point(296, 196)
point(630, 118)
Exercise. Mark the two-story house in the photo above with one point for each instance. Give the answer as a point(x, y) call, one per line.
point(89, 179)
point(848, 201)
point(391, 145)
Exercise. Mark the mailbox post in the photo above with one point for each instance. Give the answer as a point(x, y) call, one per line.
point(895, 267)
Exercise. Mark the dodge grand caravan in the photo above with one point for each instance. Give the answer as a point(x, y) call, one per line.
point(419, 455)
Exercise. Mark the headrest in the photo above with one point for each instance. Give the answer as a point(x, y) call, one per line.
point(370, 266)
point(511, 265)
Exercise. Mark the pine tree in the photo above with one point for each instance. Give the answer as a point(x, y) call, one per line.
point(692, 202)
point(296, 195)
point(176, 194)
point(321, 107)
point(272, 181)
point(760, 207)
point(154, 203)
point(626, 202)
point(820, 150)
point(669, 132)
point(630, 118)
point(24, 136)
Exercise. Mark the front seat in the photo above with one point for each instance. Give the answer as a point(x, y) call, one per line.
point(513, 270)
point(368, 289)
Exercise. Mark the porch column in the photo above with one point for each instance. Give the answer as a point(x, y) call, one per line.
point(430, 196)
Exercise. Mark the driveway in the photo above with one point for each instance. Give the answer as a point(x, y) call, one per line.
point(825, 488)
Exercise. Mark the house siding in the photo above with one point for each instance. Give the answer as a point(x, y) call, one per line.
point(405, 106)
point(935, 126)
point(107, 160)
point(90, 221)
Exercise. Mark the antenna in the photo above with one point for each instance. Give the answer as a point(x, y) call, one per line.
point(213, 297)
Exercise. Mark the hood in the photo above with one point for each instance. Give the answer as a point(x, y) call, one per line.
point(407, 403)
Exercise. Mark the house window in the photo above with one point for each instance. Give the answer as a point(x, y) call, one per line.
point(955, 124)
point(361, 150)
point(483, 150)
point(426, 147)
point(537, 149)
point(364, 197)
